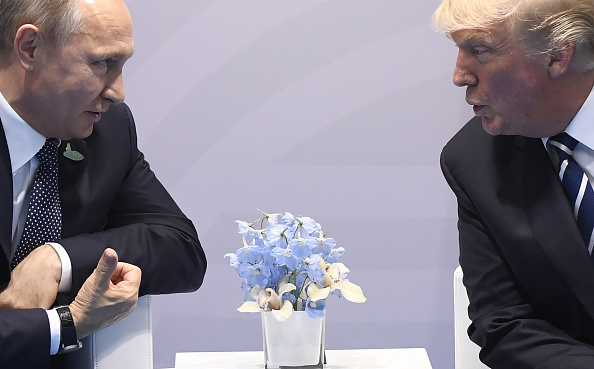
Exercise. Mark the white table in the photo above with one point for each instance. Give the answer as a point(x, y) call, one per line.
point(404, 358)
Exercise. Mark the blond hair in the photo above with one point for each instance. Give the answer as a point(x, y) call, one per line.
point(540, 26)
point(56, 19)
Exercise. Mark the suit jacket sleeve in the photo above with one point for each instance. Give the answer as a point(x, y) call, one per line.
point(24, 338)
point(512, 320)
point(112, 199)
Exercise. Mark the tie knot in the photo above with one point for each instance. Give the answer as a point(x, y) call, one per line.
point(564, 142)
point(49, 152)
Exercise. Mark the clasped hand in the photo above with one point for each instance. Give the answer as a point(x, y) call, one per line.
point(34, 282)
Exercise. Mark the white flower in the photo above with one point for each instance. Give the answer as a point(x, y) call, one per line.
point(268, 299)
point(333, 280)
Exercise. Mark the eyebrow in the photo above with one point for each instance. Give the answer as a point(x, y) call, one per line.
point(115, 55)
point(482, 36)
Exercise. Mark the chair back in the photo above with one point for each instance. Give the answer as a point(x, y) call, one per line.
point(467, 352)
point(127, 344)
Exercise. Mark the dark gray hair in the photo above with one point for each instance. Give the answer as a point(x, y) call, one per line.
point(56, 19)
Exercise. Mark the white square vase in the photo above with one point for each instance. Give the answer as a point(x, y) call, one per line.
point(297, 342)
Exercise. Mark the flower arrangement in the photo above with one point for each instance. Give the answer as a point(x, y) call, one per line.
point(290, 265)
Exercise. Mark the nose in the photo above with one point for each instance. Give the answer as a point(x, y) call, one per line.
point(463, 76)
point(114, 90)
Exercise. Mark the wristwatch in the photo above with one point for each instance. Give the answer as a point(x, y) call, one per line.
point(68, 340)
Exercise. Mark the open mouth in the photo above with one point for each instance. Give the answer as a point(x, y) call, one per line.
point(95, 115)
point(477, 109)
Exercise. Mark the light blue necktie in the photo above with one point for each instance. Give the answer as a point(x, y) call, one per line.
point(577, 186)
point(44, 217)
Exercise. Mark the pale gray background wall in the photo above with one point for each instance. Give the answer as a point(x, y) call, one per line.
point(334, 109)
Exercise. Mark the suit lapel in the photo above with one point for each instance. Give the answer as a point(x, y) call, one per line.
point(553, 225)
point(5, 205)
point(73, 182)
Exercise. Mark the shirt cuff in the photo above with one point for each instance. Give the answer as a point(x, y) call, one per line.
point(55, 325)
point(66, 279)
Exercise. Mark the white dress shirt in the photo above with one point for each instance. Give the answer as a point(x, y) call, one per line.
point(23, 143)
point(582, 129)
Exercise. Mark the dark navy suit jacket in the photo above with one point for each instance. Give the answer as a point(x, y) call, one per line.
point(529, 277)
point(109, 199)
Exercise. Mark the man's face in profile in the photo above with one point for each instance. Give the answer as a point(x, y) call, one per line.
point(75, 83)
point(505, 87)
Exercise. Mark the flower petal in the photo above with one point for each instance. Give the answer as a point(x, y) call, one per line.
point(249, 307)
point(316, 292)
point(284, 313)
point(286, 287)
point(350, 291)
point(337, 272)
point(273, 299)
point(255, 292)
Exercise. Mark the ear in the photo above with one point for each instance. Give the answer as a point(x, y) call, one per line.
point(27, 43)
point(560, 60)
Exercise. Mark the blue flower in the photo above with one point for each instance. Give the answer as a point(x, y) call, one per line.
point(300, 248)
point(244, 228)
point(335, 254)
point(271, 218)
point(256, 275)
point(249, 255)
point(259, 238)
point(246, 289)
point(285, 257)
point(266, 255)
point(322, 245)
point(288, 219)
point(308, 224)
point(315, 309)
point(232, 259)
point(275, 235)
point(316, 268)
point(247, 231)
point(302, 226)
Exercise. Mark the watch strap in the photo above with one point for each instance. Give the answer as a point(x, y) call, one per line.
point(68, 340)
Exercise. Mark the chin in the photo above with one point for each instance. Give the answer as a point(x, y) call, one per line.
point(82, 133)
point(495, 126)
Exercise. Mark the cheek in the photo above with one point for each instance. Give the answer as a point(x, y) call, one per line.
point(515, 92)
point(82, 93)
point(502, 86)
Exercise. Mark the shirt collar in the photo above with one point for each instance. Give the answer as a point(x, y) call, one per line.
point(580, 126)
point(23, 141)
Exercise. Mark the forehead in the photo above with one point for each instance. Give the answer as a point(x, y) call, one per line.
point(107, 31)
point(107, 24)
point(490, 35)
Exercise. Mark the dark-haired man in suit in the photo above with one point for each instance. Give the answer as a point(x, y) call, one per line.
point(76, 194)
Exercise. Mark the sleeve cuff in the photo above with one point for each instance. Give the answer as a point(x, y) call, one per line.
point(54, 323)
point(66, 279)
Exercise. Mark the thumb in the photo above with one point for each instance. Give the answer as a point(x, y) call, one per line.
point(106, 266)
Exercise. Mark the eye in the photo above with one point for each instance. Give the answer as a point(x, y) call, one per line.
point(479, 49)
point(104, 63)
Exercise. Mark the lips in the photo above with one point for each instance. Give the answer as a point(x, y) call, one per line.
point(95, 115)
point(476, 106)
point(477, 109)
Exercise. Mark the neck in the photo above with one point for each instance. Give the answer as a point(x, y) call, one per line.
point(567, 98)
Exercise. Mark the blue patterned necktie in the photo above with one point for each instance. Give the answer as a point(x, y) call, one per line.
point(44, 217)
point(577, 186)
